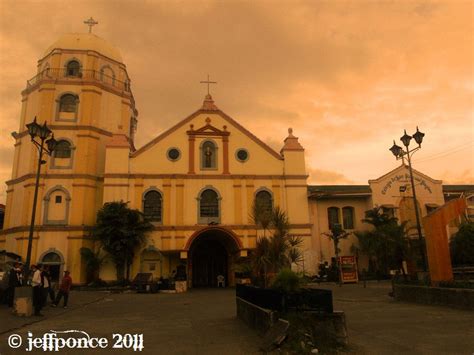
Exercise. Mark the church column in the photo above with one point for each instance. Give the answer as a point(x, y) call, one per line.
point(191, 141)
point(138, 198)
point(225, 145)
point(249, 184)
point(179, 202)
point(276, 192)
point(237, 201)
point(167, 201)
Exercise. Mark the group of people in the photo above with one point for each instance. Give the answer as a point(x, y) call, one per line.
point(40, 280)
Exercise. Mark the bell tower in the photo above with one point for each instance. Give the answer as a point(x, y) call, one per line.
point(82, 90)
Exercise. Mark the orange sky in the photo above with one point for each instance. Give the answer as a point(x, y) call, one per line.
point(348, 76)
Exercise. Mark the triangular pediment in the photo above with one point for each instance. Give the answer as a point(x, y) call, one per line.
point(207, 129)
point(403, 170)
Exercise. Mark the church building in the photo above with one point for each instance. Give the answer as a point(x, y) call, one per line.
point(196, 182)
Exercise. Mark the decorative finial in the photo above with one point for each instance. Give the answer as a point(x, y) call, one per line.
point(290, 131)
point(208, 82)
point(91, 22)
point(192, 127)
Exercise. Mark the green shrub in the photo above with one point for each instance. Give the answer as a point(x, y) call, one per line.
point(462, 245)
point(287, 281)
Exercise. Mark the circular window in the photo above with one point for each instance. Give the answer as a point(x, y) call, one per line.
point(242, 155)
point(173, 154)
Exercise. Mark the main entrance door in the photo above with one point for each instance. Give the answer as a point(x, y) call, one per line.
point(212, 252)
point(209, 261)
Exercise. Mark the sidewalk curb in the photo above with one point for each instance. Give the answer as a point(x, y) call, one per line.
point(52, 316)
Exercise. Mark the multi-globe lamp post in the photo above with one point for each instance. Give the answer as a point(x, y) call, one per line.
point(399, 153)
point(39, 136)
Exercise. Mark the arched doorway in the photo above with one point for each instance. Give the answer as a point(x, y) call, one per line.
point(212, 252)
point(55, 261)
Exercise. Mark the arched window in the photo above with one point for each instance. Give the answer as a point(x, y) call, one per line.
point(73, 68)
point(208, 155)
point(68, 103)
point(107, 74)
point(62, 149)
point(209, 206)
point(348, 217)
point(56, 206)
point(152, 206)
point(263, 199)
point(333, 217)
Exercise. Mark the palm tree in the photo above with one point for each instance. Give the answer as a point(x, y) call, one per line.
point(278, 251)
point(120, 232)
point(261, 216)
point(386, 245)
point(336, 235)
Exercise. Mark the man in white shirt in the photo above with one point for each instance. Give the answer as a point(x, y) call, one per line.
point(36, 282)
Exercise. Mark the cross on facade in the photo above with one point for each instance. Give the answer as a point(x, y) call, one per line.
point(208, 82)
point(91, 22)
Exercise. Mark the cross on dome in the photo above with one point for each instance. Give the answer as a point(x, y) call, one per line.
point(91, 22)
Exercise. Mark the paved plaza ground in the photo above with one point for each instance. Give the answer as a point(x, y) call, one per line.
point(204, 322)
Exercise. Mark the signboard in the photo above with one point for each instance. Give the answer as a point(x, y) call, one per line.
point(348, 267)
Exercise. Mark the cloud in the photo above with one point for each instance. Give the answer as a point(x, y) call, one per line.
point(348, 77)
point(326, 177)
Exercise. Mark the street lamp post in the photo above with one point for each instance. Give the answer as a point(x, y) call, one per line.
point(399, 153)
point(39, 136)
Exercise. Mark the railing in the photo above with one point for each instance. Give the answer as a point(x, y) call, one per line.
point(81, 75)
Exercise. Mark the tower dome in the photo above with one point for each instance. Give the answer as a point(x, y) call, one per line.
point(86, 41)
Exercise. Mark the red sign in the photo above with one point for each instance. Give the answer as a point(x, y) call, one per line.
point(348, 267)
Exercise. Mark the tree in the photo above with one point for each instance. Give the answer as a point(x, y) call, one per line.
point(462, 245)
point(277, 251)
point(261, 216)
point(120, 232)
point(386, 244)
point(336, 235)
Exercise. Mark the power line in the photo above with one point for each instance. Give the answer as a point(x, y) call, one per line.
point(446, 152)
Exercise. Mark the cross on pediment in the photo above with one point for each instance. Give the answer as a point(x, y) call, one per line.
point(208, 82)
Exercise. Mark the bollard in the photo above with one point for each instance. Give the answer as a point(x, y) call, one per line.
point(23, 302)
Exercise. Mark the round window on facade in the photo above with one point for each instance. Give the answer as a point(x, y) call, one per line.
point(173, 154)
point(242, 155)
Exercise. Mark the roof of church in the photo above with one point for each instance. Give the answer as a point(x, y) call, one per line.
point(86, 41)
point(458, 188)
point(321, 191)
point(208, 106)
point(328, 190)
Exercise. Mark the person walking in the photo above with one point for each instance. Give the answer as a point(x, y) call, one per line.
point(64, 289)
point(37, 283)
